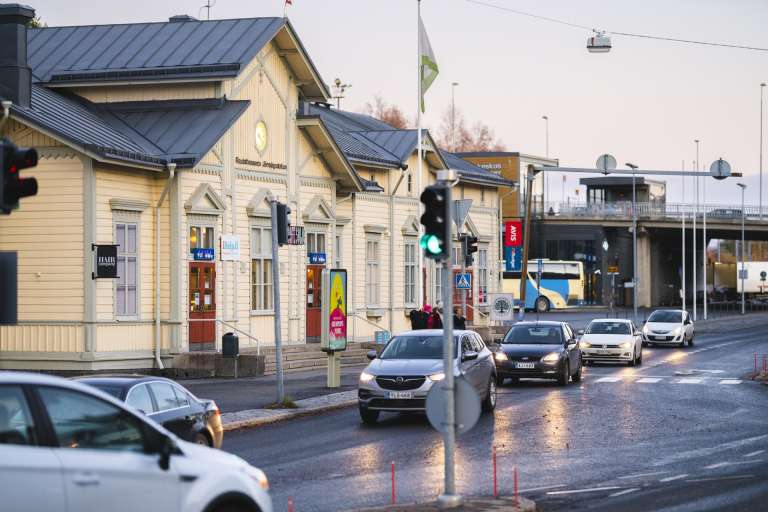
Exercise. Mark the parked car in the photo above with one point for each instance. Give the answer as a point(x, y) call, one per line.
point(168, 403)
point(669, 327)
point(539, 350)
point(399, 379)
point(67, 446)
point(611, 340)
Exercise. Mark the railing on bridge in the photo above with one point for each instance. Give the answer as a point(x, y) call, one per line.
point(647, 210)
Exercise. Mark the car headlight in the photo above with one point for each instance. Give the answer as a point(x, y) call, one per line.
point(677, 331)
point(436, 377)
point(258, 476)
point(500, 356)
point(626, 344)
point(365, 377)
point(551, 358)
point(585, 344)
point(646, 330)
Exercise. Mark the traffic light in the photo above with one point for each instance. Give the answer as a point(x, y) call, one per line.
point(283, 223)
point(435, 221)
point(12, 186)
point(468, 248)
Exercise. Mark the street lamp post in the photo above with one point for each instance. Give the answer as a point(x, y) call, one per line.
point(762, 89)
point(693, 231)
point(453, 115)
point(546, 153)
point(741, 272)
point(682, 211)
point(634, 241)
point(704, 242)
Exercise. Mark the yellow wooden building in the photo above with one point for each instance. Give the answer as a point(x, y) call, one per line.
point(166, 138)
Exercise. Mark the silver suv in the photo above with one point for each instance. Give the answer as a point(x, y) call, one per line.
point(399, 379)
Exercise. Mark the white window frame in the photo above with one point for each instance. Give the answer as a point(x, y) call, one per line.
point(483, 274)
point(261, 254)
point(437, 284)
point(311, 242)
point(410, 267)
point(338, 249)
point(127, 220)
point(372, 271)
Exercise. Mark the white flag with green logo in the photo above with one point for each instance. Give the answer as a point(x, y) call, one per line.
point(428, 66)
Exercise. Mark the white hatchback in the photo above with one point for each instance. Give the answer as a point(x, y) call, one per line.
point(65, 446)
point(669, 327)
point(611, 340)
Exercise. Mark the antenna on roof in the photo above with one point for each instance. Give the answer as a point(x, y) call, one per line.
point(208, 5)
point(340, 88)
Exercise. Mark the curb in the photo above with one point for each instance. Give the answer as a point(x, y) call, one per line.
point(488, 504)
point(258, 417)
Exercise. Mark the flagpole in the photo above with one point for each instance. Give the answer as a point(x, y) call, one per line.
point(419, 184)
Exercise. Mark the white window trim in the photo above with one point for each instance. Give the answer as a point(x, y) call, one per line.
point(483, 247)
point(128, 217)
point(258, 224)
point(376, 303)
point(411, 240)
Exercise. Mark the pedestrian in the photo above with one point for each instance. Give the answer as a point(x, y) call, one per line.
point(459, 322)
point(435, 322)
point(418, 319)
point(429, 321)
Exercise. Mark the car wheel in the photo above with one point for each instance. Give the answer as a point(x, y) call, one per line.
point(690, 341)
point(489, 404)
point(577, 376)
point(368, 416)
point(633, 360)
point(640, 358)
point(565, 375)
point(542, 305)
point(202, 439)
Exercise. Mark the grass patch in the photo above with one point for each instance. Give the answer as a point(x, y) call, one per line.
point(287, 403)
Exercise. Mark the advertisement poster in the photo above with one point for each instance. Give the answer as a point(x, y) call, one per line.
point(335, 310)
point(513, 233)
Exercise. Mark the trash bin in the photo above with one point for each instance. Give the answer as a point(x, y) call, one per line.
point(230, 345)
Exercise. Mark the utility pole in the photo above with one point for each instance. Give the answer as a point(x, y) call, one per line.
point(682, 211)
point(453, 116)
point(276, 290)
point(695, 214)
point(634, 242)
point(742, 273)
point(526, 241)
point(762, 89)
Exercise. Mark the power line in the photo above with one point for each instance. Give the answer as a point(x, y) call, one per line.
point(627, 34)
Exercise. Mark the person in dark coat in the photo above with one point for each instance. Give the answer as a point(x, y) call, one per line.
point(435, 322)
point(418, 319)
point(459, 322)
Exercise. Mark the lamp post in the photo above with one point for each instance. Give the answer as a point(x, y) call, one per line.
point(695, 214)
point(741, 272)
point(453, 115)
point(634, 241)
point(546, 141)
point(704, 242)
point(762, 89)
point(682, 211)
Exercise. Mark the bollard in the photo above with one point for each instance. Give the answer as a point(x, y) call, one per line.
point(765, 363)
point(394, 500)
point(290, 504)
point(517, 501)
point(755, 364)
point(495, 486)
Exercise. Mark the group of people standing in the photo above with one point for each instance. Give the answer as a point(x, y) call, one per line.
point(431, 318)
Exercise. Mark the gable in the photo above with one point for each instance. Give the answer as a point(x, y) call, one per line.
point(260, 204)
point(205, 201)
point(318, 211)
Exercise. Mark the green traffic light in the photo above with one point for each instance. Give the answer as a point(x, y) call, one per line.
point(431, 244)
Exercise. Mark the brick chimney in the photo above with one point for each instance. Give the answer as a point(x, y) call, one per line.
point(15, 74)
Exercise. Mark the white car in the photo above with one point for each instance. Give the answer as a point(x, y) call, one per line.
point(611, 340)
point(65, 446)
point(668, 327)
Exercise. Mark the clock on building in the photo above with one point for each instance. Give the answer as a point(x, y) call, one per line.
point(261, 136)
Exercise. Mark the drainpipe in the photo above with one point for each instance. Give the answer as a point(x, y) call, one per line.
point(6, 111)
point(171, 174)
point(392, 249)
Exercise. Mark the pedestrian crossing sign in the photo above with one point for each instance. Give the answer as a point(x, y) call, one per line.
point(464, 281)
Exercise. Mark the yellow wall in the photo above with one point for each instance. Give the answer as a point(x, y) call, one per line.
point(509, 168)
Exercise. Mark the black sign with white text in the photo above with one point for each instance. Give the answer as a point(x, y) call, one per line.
point(106, 262)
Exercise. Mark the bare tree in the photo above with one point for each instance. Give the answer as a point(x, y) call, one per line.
point(455, 136)
point(386, 112)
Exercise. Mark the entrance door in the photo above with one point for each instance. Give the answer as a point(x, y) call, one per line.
point(202, 306)
point(470, 295)
point(314, 297)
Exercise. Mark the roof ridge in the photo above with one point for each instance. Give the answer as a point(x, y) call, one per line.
point(41, 29)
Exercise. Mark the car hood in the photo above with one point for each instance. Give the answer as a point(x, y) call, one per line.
point(611, 339)
point(207, 455)
point(659, 326)
point(405, 366)
point(529, 350)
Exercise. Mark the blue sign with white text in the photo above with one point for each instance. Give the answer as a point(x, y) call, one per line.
point(513, 259)
point(317, 258)
point(201, 254)
point(464, 281)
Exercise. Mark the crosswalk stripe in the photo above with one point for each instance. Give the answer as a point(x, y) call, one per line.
point(690, 381)
point(609, 379)
point(648, 380)
point(730, 381)
point(622, 493)
point(673, 478)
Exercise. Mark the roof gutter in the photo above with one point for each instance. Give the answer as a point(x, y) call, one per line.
point(158, 333)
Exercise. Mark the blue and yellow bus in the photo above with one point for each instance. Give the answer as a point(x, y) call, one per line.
point(562, 285)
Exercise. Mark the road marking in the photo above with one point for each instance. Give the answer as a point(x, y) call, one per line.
point(754, 454)
point(640, 475)
point(532, 489)
point(723, 464)
point(609, 379)
point(701, 452)
point(730, 381)
point(622, 493)
point(716, 478)
point(690, 381)
point(648, 380)
point(578, 491)
point(673, 478)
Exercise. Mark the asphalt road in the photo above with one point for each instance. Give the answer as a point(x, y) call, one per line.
point(683, 432)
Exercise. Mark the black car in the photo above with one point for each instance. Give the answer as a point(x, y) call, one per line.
point(539, 350)
point(167, 403)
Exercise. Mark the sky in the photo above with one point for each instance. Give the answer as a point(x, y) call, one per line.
point(644, 102)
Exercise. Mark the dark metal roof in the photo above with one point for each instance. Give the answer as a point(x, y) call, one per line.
point(400, 143)
point(148, 133)
point(487, 153)
point(101, 52)
point(472, 173)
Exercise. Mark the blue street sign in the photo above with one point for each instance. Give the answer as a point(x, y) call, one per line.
point(317, 258)
point(464, 281)
point(203, 254)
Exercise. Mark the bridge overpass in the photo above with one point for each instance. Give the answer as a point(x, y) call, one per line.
point(577, 231)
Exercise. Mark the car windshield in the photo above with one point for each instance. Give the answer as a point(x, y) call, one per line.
point(534, 335)
point(415, 347)
point(666, 317)
point(608, 328)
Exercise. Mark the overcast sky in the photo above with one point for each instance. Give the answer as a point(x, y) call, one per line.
point(645, 101)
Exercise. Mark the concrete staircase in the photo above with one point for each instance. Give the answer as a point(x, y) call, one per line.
point(298, 358)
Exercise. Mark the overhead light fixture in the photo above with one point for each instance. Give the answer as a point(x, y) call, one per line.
point(599, 43)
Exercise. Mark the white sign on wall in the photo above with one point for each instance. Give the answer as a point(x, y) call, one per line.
point(502, 306)
point(230, 247)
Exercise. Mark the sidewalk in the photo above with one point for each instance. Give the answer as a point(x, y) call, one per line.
point(470, 505)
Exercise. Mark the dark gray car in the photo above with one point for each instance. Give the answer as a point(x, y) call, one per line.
point(399, 379)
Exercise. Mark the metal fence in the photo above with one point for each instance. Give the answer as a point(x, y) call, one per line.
point(647, 210)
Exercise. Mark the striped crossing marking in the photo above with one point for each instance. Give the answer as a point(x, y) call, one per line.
point(609, 379)
point(730, 381)
point(648, 380)
point(690, 381)
point(670, 379)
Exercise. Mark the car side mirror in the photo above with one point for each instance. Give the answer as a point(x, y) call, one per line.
point(371, 355)
point(167, 447)
point(580, 333)
point(571, 343)
point(469, 355)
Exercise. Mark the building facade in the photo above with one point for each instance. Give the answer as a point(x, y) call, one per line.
point(170, 140)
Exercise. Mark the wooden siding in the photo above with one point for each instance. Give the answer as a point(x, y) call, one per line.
point(111, 94)
point(42, 338)
point(128, 336)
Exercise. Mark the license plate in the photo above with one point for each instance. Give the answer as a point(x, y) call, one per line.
point(399, 394)
point(525, 365)
point(602, 352)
